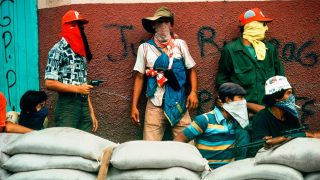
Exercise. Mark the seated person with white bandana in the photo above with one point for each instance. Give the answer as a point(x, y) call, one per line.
point(214, 132)
point(280, 114)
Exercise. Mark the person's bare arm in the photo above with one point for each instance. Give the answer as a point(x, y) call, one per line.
point(254, 108)
point(16, 128)
point(137, 89)
point(55, 85)
point(181, 138)
point(192, 100)
point(95, 123)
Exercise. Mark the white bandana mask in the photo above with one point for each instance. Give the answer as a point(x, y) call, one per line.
point(238, 110)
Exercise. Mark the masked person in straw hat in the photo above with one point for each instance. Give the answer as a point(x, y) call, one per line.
point(66, 73)
point(249, 61)
point(279, 115)
point(166, 62)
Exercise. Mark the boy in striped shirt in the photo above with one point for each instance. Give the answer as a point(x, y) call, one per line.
point(214, 132)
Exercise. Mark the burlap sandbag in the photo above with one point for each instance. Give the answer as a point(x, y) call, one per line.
point(5, 139)
point(154, 174)
point(246, 169)
point(312, 176)
point(302, 154)
point(4, 174)
point(60, 141)
point(33, 162)
point(157, 154)
point(53, 174)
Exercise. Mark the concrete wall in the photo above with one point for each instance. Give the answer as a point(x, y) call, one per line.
point(115, 32)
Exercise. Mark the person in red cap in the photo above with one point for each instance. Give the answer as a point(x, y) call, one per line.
point(7, 126)
point(66, 73)
point(166, 62)
point(249, 61)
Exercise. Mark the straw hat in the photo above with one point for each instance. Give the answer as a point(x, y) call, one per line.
point(162, 12)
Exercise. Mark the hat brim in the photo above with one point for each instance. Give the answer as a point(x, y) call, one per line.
point(265, 20)
point(147, 22)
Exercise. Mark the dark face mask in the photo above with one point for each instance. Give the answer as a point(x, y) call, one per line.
point(34, 120)
point(85, 42)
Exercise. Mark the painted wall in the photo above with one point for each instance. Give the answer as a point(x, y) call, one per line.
point(115, 32)
point(19, 70)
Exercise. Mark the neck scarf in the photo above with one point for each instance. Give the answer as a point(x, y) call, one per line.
point(33, 120)
point(76, 38)
point(288, 105)
point(254, 32)
point(238, 110)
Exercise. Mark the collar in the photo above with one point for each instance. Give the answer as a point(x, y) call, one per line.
point(218, 115)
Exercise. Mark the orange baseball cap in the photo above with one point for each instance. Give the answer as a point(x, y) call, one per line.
point(254, 14)
point(73, 15)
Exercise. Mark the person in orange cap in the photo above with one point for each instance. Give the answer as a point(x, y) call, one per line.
point(66, 73)
point(249, 61)
point(7, 126)
point(166, 62)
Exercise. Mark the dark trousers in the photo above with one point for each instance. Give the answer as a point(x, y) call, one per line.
point(72, 110)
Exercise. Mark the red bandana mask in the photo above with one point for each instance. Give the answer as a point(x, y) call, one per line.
point(71, 32)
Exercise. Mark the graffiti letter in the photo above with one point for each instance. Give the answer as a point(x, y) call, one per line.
point(311, 55)
point(6, 44)
point(10, 84)
point(291, 47)
point(202, 39)
point(123, 39)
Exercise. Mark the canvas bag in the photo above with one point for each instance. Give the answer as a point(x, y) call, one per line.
point(50, 174)
point(302, 154)
point(154, 174)
point(60, 141)
point(246, 169)
point(32, 162)
point(157, 154)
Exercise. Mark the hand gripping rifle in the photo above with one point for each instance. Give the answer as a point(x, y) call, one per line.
point(95, 83)
point(292, 133)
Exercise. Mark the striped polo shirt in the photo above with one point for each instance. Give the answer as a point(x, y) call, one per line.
point(214, 137)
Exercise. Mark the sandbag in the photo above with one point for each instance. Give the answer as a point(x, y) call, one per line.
point(8, 138)
point(302, 154)
point(312, 176)
point(60, 141)
point(50, 174)
point(3, 158)
point(5, 139)
point(157, 154)
point(154, 174)
point(4, 174)
point(246, 169)
point(32, 162)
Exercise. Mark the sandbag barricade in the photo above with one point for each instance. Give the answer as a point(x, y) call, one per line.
point(50, 174)
point(60, 141)
point(47, 153)
point(5, 138)
point(139, 158)
point(312, 176)
point(302, 154)
point(154, 174)
point(246, 169)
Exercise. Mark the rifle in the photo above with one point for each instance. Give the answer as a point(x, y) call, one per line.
point(95, 83)
point(292, 133)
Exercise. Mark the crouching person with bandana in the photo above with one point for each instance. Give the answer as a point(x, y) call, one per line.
point(214, 132)
point(166, 62)
point(66, 73)
point(249, 61)
point(279, 115)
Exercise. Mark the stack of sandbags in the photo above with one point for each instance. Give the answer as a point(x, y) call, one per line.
point(156, 160)
point(302, 154)
point(55, 153)
point(5, 138)
point(247, 169)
